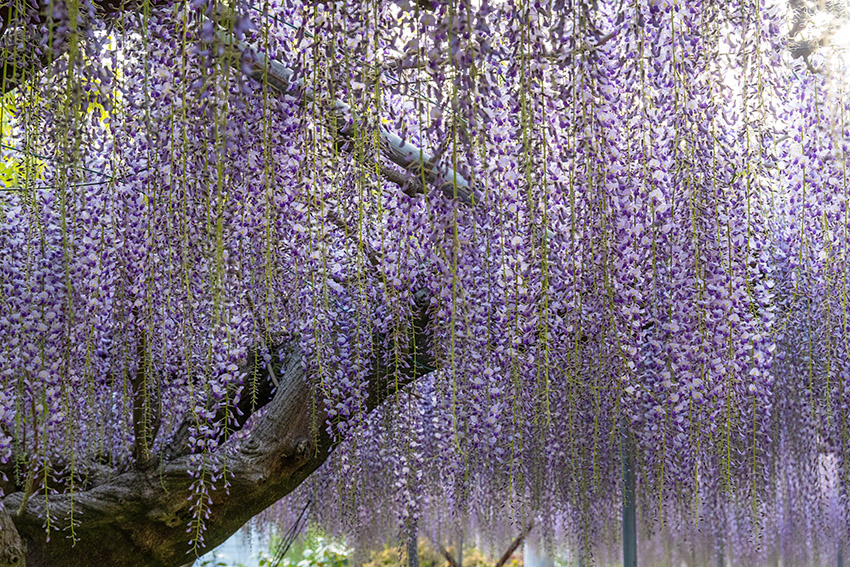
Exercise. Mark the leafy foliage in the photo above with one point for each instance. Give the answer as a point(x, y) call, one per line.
point(429, 557)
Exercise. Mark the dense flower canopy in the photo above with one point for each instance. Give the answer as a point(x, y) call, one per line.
point(636, 236)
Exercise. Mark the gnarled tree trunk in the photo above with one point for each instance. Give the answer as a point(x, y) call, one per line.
point(139, 518)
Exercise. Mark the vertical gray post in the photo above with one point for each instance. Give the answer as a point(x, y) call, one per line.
point(627, 456)
point(412, 543)
point(839, 559)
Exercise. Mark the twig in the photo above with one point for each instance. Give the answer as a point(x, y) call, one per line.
point(289, 537)
point(516, 543)
point(452, 561)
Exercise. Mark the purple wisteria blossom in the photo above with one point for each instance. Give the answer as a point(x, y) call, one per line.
point(429, 265)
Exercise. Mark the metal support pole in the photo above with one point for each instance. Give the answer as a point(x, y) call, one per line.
point(627, 456)
point(412, 543)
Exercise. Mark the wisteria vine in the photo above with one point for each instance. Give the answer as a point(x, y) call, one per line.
point(631, 221)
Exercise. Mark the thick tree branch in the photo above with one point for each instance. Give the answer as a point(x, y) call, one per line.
point(139, 518)
point(257, 392)
point(12, 548)
point(410, 186)
point(347, 123)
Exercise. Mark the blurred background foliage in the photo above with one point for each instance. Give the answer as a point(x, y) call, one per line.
point(429, 557)
point(316, 549)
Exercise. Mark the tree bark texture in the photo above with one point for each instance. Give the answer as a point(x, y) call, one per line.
point(139, 518)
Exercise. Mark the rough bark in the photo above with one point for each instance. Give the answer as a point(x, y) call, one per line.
point(347, 123)
point(140, 517)
point(12, 547)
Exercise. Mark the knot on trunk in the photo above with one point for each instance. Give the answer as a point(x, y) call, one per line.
point(301, 453)
point(298, 453)
point(12, 547)
point(12, 556)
